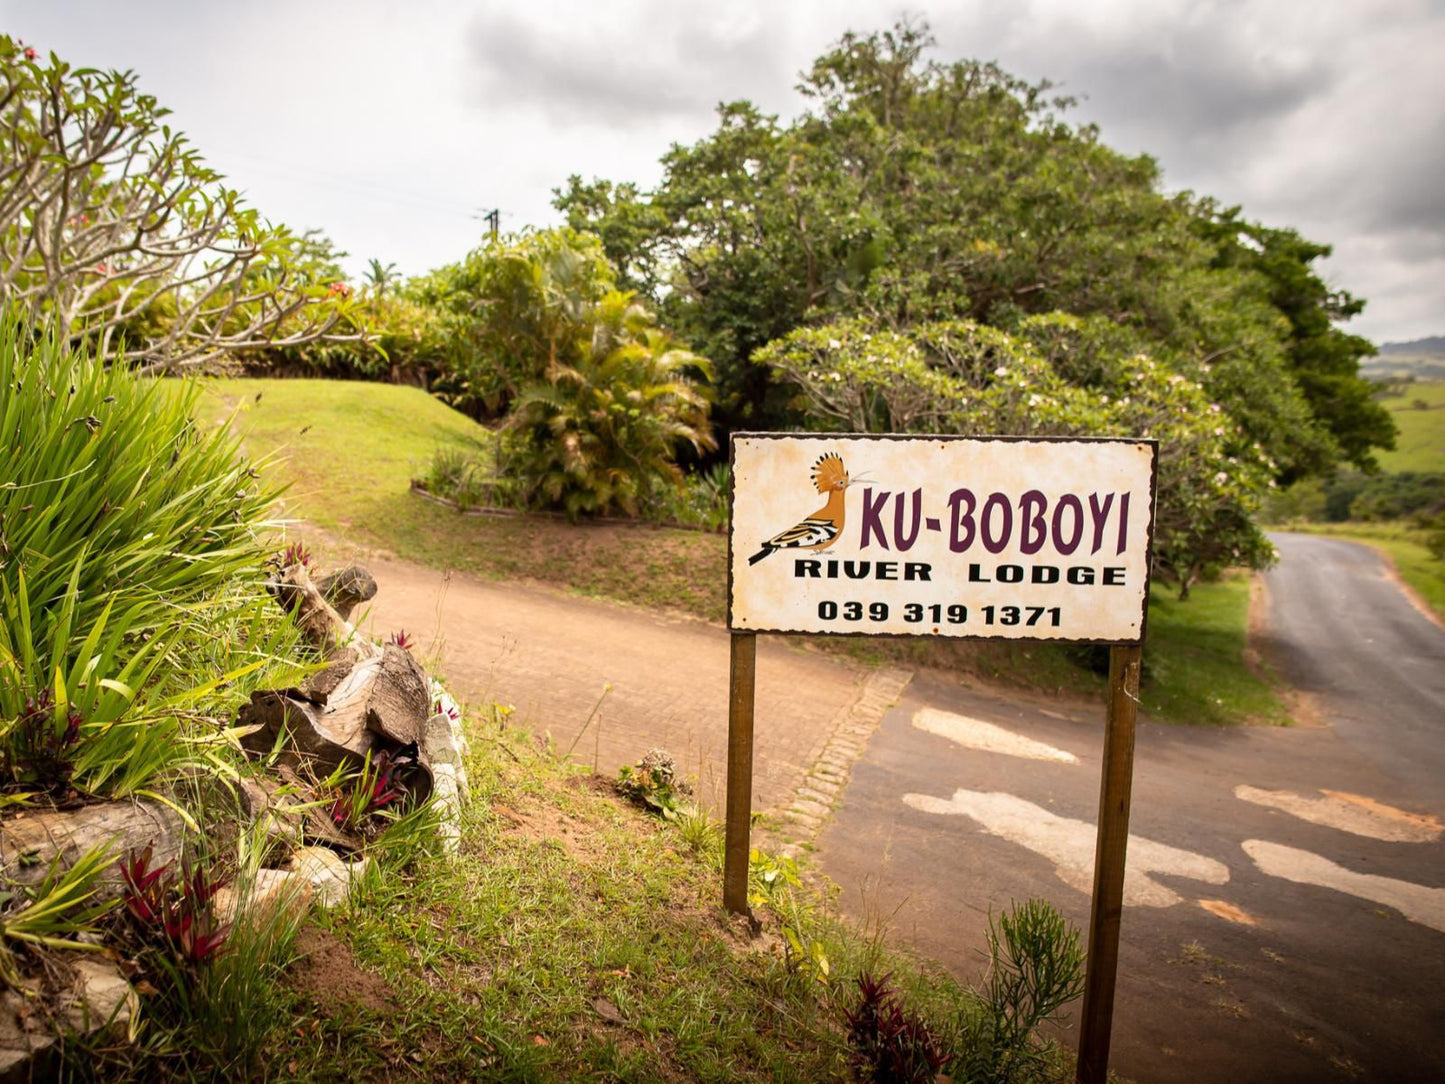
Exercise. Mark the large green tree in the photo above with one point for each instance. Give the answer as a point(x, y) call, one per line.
point(913, 191)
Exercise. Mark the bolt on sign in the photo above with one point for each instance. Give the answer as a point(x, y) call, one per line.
point(988, 537)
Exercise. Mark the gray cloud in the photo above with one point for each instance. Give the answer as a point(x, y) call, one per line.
point(1326, 118)
point(669, 63)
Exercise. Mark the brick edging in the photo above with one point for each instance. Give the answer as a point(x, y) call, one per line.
point(813, 801)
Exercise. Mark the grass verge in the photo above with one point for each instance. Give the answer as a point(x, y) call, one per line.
point(1193, 659)
point(350, 449)
point(574, 938)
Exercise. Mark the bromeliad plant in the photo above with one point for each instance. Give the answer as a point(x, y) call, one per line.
point(892, 1044)
point(177, 910)
point(357, 798)
point(42, 744)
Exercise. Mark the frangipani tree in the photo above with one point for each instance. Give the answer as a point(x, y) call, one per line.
point(1061, 376)
point(113, 229)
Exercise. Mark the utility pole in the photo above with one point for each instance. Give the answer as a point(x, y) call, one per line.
point(494, 222)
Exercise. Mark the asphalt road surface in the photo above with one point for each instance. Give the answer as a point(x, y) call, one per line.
point(1285, 905)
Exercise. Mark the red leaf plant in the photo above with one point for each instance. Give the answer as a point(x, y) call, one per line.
point(179, 908)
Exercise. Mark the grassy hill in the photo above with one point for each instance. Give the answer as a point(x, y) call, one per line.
point(1420, 414)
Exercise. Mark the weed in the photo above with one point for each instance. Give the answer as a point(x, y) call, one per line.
point(653, 783)
point(772, 881)
point(702, 835)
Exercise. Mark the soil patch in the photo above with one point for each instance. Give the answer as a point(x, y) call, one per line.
point(327, 973)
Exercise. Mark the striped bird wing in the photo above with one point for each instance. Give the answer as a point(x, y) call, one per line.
point(808, 534)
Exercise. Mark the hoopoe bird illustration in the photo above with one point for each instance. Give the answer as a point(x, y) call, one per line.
point(822, 528)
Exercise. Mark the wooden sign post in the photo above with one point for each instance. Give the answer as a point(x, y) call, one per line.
point(1102, 962)
point(737, 842)
point(976, 537)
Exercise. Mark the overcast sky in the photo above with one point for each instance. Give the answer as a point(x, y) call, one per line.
point(393, 126)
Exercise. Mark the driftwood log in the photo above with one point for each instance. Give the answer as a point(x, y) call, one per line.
point(347, 589)
point(31, 841)
point(367, 698)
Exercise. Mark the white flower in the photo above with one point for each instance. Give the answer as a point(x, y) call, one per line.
point(1221, 478)
point(1002, 370)
point(834, 344)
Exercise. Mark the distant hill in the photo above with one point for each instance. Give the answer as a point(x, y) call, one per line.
point(1421, 359)
point(1431, 347)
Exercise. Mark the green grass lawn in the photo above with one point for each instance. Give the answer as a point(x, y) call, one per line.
point(1193, 658)
point(349, 450)
point(578, 938)
point(1421, 444)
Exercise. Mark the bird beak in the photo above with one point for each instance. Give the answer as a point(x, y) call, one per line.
point(855, 479)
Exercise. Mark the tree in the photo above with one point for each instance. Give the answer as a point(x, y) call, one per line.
point(380, 278)
point(114, 230)
point(511, 312)
point(964, 377)
point(1323, 358)
point(914, 191)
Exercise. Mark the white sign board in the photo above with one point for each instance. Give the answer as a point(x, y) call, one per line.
point(985, 537)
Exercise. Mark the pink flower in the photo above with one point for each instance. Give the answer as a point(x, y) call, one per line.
point(30, 53)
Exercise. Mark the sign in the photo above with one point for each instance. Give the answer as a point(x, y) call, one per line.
point(982, 537)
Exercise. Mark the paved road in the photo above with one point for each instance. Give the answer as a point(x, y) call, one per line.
point(1285, 916)
point(1340, 628)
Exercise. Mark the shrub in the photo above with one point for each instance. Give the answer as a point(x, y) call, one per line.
point(599, 432)
point(891, 1044)
point(124, 533)
point(1036, 967)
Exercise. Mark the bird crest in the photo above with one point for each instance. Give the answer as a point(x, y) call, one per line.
point(829, 473)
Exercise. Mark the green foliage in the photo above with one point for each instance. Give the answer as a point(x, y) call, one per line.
point(1323, 358)
point(123, 535)
point(915, 192)
point(114, 230)
point(773, 882)
point(602, 427)
point(701, 501)
point(58, 913)
point(1373, 497)
point(1058, 375)
point(1036, 967)
point(600, 398)
point(473, 478)
point(512, 312)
